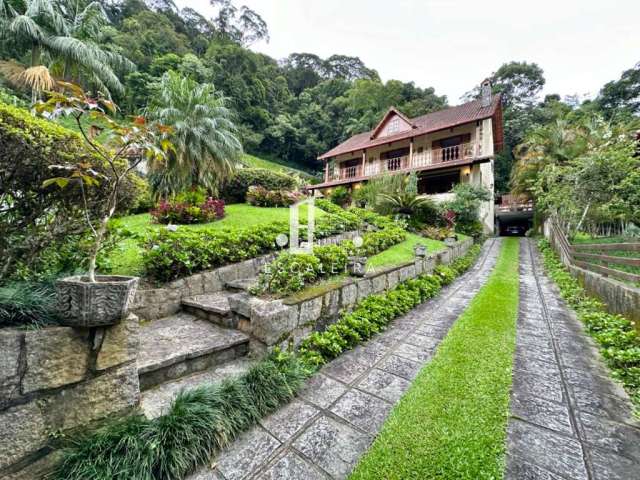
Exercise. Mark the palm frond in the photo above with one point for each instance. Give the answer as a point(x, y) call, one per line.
point(36, 78)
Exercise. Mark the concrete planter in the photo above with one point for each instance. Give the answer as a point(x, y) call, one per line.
point(81, 303)
point(420, 250)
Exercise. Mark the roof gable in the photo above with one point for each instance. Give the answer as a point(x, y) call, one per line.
point(392, 122)
point(431, 122)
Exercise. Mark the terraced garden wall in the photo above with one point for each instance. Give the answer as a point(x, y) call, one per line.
point(56, 379)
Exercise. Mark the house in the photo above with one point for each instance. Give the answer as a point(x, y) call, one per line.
point(446, 147)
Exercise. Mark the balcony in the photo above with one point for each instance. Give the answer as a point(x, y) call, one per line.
point(419, 160)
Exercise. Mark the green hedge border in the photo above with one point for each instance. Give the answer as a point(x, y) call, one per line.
point(203, 420)
point(616, 336)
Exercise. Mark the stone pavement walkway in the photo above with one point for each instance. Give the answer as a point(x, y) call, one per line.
point(323, 433)
point(569, 420)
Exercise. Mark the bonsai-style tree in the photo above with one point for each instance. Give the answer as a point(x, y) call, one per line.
point(125, 147)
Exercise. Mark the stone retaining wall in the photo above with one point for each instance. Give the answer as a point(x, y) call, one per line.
point(53, 380)
point(619, 297)
point(279, 322)
point(154, 303)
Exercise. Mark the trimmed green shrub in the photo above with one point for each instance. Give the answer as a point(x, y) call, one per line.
point(332, 258)
point(171, 255)
point(235, 189)
point(261, 197)
point(289, 273)
point(374, 313)
point(188, 213)
point(618, 339)
point(340, 196)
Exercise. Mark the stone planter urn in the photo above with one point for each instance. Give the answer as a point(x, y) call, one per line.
point(356, 266)
point(420, 250)
point(450, 241)
point(81, 303)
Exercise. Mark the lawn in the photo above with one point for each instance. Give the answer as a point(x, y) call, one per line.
point(403, 252)
point(126, 259)
point(451, 424)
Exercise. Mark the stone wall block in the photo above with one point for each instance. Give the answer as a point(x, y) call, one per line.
point(10, 341)
point(349, 295)
point(55, 356)
point(195, 284)
point(418, 265)
point(310, 311)
point(212, 282)
point(365, 288)
point(331, 303)
point(22, 431)
point(120, 344)
point(228, 273)
point(271, 321)
point(102, 396)
point(379, 283)
point(392, 279)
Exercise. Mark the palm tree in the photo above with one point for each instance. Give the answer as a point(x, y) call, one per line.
point(58, 38)
point(403, 199)
point(202, 133)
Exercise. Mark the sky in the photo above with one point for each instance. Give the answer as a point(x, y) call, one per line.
point(452, 45)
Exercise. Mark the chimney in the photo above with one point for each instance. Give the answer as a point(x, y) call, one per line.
point(485, 93)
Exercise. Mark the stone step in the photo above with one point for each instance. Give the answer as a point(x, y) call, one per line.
point(181, 344)
point(155, 401)
point(213, 307)
point(241, 285)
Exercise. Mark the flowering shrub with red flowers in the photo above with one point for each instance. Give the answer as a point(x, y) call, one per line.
point(186, 213)
point(261, 197)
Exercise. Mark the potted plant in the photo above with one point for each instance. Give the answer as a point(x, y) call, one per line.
point(449, 217)
point(97, 300)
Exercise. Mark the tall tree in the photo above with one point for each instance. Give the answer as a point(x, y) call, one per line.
point(202, 133)
point(621, 96)
point(58, 36)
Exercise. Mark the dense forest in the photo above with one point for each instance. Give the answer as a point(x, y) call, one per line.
point(291, 109)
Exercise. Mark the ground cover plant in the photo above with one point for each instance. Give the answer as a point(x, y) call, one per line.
point(203, 420)
point(617, 337)
point(451, 423)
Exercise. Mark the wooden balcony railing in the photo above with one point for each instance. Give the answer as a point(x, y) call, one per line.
point(418, 160)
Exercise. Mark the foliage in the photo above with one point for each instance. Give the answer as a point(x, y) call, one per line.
point(462, 394)
point(40, 225)
point(375, 312)
point(583, 168)
point(204, 137)
point(621, 97)
point(289, 273)
point(199, 423)
point(340, 196)
point(27, 304)
point(235, 189)
point(403, 252)
point(261, 197)
point(140, 136)
point(618, 338)
point(188, 213)
point(466, 206)
point(61, 35)
point(170, 255)
point(437, 233)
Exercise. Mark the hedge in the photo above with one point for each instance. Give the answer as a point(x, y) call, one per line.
point(171, 255)
point(235, 189)
point(617, 337)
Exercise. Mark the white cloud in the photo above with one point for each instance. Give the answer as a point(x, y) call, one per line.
point(452, 45)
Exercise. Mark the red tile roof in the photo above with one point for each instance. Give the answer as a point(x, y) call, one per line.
point(431, 122)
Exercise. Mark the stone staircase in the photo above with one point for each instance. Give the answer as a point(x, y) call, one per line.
point(202, 343)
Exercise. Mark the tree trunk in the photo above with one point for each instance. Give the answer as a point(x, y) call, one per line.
point(102, 230)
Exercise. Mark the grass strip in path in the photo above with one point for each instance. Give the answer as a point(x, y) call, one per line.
point(451, 424)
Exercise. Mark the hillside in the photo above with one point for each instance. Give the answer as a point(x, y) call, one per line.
point(257, 162)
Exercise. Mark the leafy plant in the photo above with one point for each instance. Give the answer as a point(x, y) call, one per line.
point(204, 137)
point(187, 213)
point(140, 135)
point(261, 197)
point(27, 304)
point(234, 190)
point(340, 196)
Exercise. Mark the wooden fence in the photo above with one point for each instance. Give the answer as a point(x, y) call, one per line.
point(582, 255)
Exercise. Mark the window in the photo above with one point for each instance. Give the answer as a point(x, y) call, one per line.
point(393, 126)
point(441, 183)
